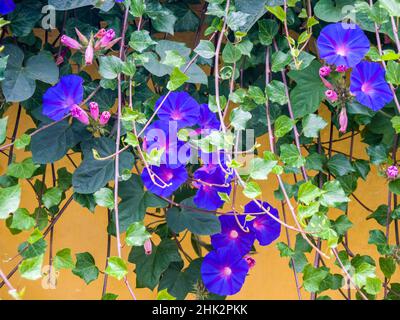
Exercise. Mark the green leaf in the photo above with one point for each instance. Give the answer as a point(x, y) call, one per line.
point(396, 123)
point(342, 224)
point(116, 268)
point(393, 73)
point(105, 198)
point(141, 40)
point(373, 286)
point(3, 129)
point(278, 12)
point(9, 200)
point(260, 168)
point(63, 259)
point(110, 296)
point(94, 174)
point(312, 125)
point(276, 92)
point(313, 277)
point(340, 165)
point(85, 267)
point(31, 268)
point(284, 249)
point(308, 192)
point(268, 29)
point(137, 7)
point(164, 295)
point(283, 125)
point(392, 6)
point(205, 49)
point(236, 20)
point(177, 79)
point(200, 223)
point(163, 20)
point(333, 194)
point(23, 141)
point(377, 154)
point(394, 186)
point(239, 118)
point(256, 94)
point(136, 234)
point(110, 67)
point(42, 67)
point(290, 156)
point(22, 170)
point(252, 190)
point(35, 236)
point(150, 267)
point(309, 92)
point(69, 4)
point(231, 53)
point(332, 11)
point(279, 61)
point(52, 197)
point(388, 266)
point(21, 220)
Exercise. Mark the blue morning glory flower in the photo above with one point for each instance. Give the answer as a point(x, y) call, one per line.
point(224, 271)
point(180, 107)
point(342, 44)
point(208, 120)
point(232, 236)
point(58, 100)
point(6, 6)
point(265, 228)
point(213, 181)
point(167, 179)
point(368, 84)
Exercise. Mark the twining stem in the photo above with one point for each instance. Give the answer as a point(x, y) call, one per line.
point(14, 135)
point(117, 147)
point(105, 282)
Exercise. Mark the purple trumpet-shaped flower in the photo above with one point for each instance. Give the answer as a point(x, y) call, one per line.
point(208, 120)
point(368, 84)
point(107, 38)
point(104, 118)
point(7, 6)
point(342, 44)
point(232, 236)
point(179, 107)
point(78, 113)
point(164, 180)
point(94, 110)
point(392, 172)
point(210, 180)
point(70, 42)
point(58, 100)
point(265, 228)
point(224, 271)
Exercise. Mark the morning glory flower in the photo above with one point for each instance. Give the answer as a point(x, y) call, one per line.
point(180, 107)
point(59, 100)
point(167, 179)
point(265, 228)
point(210, 180)
point(342, 46)
point(368, 84)
point(224, 271)
point(7, 6)
point(232, 236)
point(208, 120)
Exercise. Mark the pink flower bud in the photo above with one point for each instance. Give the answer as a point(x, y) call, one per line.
point(148, 247)
point(70, 43)
point(324, 71)
point(81, 37)
point(341, 68)
point(392, 172)
point(343, 121)
point(89, 53)
point(250, 261)
point(112, 43)
point(94, 110)
point(59, 60)
point(107, 38)
point(331, 95)
point(100, 34)
point(104, 118)
point(78, 113)
point(326, 83)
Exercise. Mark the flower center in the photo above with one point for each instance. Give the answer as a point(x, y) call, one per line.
point(233, 234)
point(366, 88)
point(168, 175)
point(176, 115)
point(227, 271)
point(341, 51)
